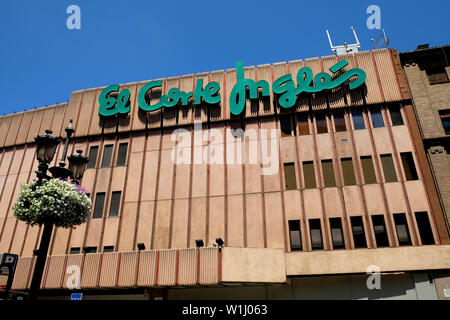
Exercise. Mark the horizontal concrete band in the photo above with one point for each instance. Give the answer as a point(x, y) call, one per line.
point(357, 261)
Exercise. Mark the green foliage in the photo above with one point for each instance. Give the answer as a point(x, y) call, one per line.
point(59, 202)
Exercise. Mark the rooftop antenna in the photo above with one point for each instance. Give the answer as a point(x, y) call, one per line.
point(382, 41)
point(346, 48)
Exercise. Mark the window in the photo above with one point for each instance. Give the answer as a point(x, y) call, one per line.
point(339, 121)
point(107, 153)
point(445, 119)
point(377, 117)
point(328, 173)
point(321, 123)
point(336, 233)
point(295, 235)
point(359, 237)
point(303, 126)
point(401, 225)
point(423, 224)
point(368, 171)
point(437, 75)
point(93, 152)
point(388, 168)
point(90, 249)
point(309, 175)
point(289, 176)
point(379, 228)
point(99, 203)
point(316, 234)
point(122, 155)
point(358, 120)
point(75, 250)
point(115, 204)
point(348, 171)
point(286, 126)
point(108, 249)
point(396, 116)
point(408, 166)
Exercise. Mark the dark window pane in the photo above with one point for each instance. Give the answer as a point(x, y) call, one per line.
point(348, 172)
point(303, 127)
point(122, 155)
point(445, 119)
point(108, 249)
point(423, 223)
point(396, 116)
point(309, 175)
point(115, 204)
point(368, 171)
point(289, 176)
point(436, 75)
point(107, 153)
point(336, 233)
point(93, 152)
point(377, 118)
point(379, 229)
point(321, 123)
point(388, 168)
point(75, 250)
point(409, 166)
point(401, 225)
point(295, 235)
point(99, 203)
point(359, 236)
point(316, 234)
point(358, 120)
point(328, 173)
point(339, 121)
point(90, 249)
point(285, 125)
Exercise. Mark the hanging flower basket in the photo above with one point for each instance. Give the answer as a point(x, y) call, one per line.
point(56, 201)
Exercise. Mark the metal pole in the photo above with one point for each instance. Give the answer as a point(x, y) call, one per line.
point(40, 261)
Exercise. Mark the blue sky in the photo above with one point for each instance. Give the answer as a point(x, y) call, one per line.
point(42, 62)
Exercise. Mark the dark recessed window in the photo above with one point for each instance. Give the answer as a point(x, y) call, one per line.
point(90, 249)
point(108, 249)
point(396, 116)
point(316, 234)
point(295, 235)
point(339, 121)
point(445, 119)
point(309, 174)
point(286, 126)
point(93, 152)
point(115, 204)
point(107, 153)
point(377, 117)
point(336, 233)
point(328, 173)
point(379, 228)
point(401, 225)
point(408, 166)
point(437, 75)
point(368, 171)
point(303, 126)
point(359, 236)
point(289, 176)
point(99, 203)
point(75, 250)
point(388, 168)
point(348, 171)
point(358, 119)
point(321, 123)
point(423, 223)
point(122, 155)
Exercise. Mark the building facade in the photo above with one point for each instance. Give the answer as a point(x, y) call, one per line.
point(308, 186)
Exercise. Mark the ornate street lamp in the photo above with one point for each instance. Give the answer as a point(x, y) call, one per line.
point(45, 149)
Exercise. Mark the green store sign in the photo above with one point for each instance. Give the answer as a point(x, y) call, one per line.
point(284, 87)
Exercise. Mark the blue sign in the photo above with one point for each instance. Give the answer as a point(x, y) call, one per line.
point(76, 296)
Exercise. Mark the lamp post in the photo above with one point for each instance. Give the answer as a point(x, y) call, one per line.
point(45, 151)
